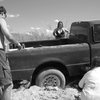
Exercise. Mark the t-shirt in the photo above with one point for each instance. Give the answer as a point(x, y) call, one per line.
point(90, 84)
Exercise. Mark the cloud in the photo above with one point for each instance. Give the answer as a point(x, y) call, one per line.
point(33, 28)
point(38, 28)
point(28, 33)
point(49, 31)
point(56, 20)
point(13, 16)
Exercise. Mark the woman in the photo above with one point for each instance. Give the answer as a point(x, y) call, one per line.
point(59, 32)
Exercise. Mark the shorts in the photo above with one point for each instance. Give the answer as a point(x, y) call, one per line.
point(5, 72)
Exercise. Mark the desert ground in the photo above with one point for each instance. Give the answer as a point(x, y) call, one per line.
point(23, 92)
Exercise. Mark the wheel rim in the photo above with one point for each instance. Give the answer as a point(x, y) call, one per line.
point(51, 80)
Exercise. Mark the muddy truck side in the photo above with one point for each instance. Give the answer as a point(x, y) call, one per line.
point(54, 62)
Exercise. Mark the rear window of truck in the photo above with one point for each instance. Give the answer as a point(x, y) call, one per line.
point(80, 31)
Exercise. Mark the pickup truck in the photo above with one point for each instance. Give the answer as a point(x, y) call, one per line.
point(54, 62)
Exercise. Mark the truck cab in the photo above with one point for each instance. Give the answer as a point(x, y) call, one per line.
point(88, 32)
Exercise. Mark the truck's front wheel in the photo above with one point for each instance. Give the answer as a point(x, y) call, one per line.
point(51, 77)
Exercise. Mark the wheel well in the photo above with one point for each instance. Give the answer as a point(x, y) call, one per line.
point(54, 64)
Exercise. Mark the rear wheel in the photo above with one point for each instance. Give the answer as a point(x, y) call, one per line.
point(51, 77)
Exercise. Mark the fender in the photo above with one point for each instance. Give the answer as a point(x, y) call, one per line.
point(51, 60)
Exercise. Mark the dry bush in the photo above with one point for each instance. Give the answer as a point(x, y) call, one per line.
point(33, 35)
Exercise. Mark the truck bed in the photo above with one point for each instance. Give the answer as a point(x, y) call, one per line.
point(53, 42)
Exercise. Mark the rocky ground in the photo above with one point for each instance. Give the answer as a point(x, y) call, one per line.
point(45, 93)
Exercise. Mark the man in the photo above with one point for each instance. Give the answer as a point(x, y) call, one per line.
point(90, 83)
point(5, 73)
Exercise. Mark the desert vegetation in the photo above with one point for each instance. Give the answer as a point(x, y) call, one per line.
point(34, 35)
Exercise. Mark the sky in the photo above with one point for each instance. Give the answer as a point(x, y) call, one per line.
point(27, 15)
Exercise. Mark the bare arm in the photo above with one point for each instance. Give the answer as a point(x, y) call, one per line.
point(54, 32)
point(66, 33)
point(7, 34)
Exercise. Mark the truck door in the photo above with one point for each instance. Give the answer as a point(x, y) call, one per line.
point(95, 47)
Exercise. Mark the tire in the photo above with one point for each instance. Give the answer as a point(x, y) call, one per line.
point(51, 77)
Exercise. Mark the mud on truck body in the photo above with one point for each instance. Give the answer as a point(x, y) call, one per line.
point(53, 62)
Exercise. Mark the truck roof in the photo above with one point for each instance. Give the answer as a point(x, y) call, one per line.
point(91, 22)
point(94, 22)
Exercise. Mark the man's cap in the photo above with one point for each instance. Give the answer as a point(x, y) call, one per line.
point(2, 9)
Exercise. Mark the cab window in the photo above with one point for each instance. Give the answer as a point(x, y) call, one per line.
point(80, 32)
point(96, 33)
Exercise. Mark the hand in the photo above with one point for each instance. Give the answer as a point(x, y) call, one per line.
point(19, 46)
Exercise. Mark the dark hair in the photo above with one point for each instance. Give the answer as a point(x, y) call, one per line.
point(96, 62)
point(2, 9)
point(59, 23)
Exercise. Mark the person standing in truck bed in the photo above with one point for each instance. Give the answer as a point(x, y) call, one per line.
point(5, 72)
point(60, 32)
